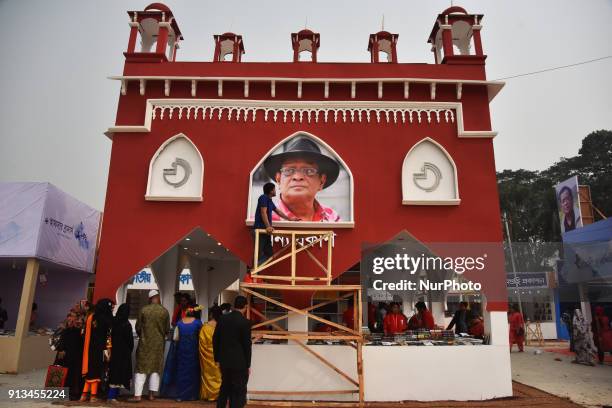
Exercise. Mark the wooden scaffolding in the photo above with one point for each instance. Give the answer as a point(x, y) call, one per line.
point(304, 241)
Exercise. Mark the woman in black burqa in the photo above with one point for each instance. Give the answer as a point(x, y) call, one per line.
point(97, 336)
point(120, 368)
point(70, 349)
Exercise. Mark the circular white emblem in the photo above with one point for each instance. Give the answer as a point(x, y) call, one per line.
point(173, 172)
point(423, 175)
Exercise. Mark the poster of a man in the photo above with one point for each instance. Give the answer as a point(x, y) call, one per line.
point(568, 203)
point(312, 185)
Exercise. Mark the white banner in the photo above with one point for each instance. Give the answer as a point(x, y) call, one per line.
point(39, 220)
point(68, 231)
point(21, 207)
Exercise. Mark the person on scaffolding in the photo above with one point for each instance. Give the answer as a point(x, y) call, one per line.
point(263, 220)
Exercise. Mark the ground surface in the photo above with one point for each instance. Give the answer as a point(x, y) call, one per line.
point(553, 372)
point(553, 382)
point(524, 397)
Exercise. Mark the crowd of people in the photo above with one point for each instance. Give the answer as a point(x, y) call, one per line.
point(211, 360)
point(389, 319)
point(588, 341)
point(208, 361)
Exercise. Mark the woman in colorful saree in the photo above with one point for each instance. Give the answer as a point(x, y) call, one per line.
point(211, 375)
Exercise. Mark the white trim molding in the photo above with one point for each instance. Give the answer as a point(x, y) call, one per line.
point(432, 202)
point(169, 198)
point(493, 87)
point(304, 112)
point(296, 112)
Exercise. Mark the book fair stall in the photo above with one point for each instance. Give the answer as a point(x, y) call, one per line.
point(48, 243)
point(342, 155)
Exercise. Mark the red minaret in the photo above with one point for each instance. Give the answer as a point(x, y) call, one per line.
point(228, 44)
point(305, 40)
point(383, 41)
point(159, 34)
point(455, 37)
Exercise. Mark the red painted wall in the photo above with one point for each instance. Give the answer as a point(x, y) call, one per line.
point(135, 231)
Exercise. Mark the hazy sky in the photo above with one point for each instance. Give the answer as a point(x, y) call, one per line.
point(55, 100)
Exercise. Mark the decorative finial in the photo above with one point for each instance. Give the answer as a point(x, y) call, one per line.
point(306, 23)
point(382, 28)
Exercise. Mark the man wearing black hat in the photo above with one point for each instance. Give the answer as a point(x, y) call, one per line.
point(301, 171)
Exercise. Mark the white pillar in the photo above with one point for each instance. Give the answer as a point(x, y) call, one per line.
point(165, 270)
point(585, 304)
point(297, 322)
point(496, 324)
point(121, 294)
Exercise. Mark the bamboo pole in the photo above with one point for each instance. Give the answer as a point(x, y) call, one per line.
point(314, 288)
point(273, 257)
point(299, 311)
point(289, 278)
point(354, 333)
point(329, 392)
point(285, 331)
point(267, 265)
point(248, 311)
point(360, 372)
point(293, 259)
point(329, 258)
point(355, 313)
point(305, 336)
point(315, 354)
point(360, 315)
point(327, 363)
point(256, 254)
point(318, 305)
point(319, 264)
point(309, 404)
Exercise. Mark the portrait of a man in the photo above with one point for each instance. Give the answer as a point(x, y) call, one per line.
point(569, 217)
point(569, 205)
point(311, 184)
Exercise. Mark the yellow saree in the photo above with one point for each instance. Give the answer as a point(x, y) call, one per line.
point(210, 375)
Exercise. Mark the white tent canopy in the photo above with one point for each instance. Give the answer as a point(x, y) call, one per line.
point(38, 220)
point(47, 250)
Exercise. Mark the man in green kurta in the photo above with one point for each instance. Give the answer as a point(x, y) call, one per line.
point(152, 325)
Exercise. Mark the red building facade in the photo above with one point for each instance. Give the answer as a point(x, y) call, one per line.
point(234, 114)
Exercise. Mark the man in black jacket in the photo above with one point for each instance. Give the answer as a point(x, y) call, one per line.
point(232, 348)
point(460, 319)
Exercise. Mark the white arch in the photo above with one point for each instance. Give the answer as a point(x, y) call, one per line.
point(438, 198)
point(192, 189)
point(344, 224)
